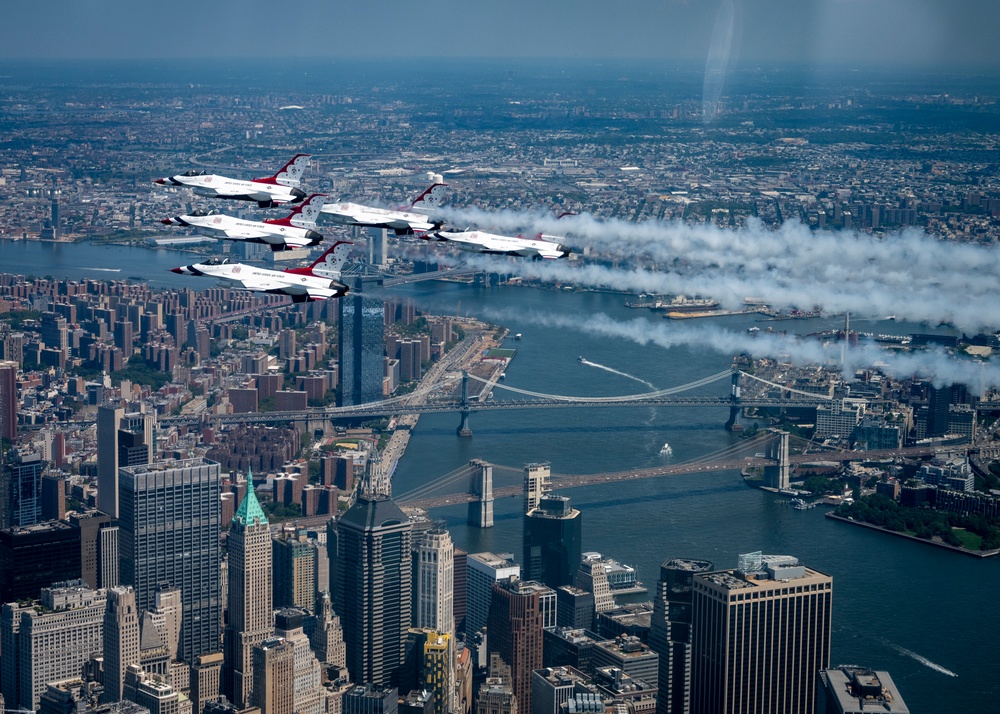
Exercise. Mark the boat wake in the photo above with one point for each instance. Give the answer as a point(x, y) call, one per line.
point(105, 270)
point(923, 660)
point(587, 362)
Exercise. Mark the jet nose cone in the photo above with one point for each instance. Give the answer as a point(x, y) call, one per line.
point(162, 182)
point(166, 221)
point(179, 271)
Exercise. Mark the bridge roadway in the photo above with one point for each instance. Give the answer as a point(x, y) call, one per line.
point(379, 409)
point(692, 467)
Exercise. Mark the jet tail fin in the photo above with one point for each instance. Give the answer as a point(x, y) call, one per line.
point(329, 264)
point(431, 197)
point(304, 215)
point(290, 174)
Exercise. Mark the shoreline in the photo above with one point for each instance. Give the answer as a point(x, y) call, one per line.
point(981, 554)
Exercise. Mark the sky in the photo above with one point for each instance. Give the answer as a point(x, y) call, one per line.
point(945, 34)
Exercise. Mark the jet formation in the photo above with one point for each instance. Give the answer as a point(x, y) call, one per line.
point(320, 281)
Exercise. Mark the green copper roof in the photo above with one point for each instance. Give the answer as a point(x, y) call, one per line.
point(250, 509)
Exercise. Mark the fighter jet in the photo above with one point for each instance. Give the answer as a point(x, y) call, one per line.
point(404, 221)
point(267, 191)
point(293, 231)
point(538, 247)
point(319, 281)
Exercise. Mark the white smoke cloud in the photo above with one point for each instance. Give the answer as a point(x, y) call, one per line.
point(909, 274)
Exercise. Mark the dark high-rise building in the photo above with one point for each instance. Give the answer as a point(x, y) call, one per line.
point(8, 401)
point(552, 542)
point(169, 535)
point(574, 607)
point(515, 632)
point(371, 573)
point(361, 340)
point(670, 632)
point(33, 557)
point(96, 567)
point(55, 332)
point(938, 401)
point(760, 636)
point(370, 699)
point(123, 439)
point(24, 472)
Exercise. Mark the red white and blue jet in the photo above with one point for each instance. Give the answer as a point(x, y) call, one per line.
point(267, 191)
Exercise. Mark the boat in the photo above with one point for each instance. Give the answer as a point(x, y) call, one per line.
point(580, 359)
point(799, 505)
point(666, 451)
point(753, 329)
point(517, 336)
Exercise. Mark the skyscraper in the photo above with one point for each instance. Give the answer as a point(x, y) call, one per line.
point(327, 636)
point(670, 632)
point(273, 676)
point(760, 636)
point(25, 474)
point(169, 534)
point(113, 452)
point(433, 587)
point(552, 542)
point(361, 340)
point(250, 595)
point(121, 640)
point(8, 401)
point(515, 632)
point(294, 571)
point(482, 571)
point(371, 572)
point(306, 678)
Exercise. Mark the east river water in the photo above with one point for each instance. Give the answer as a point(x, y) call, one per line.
point(927, 616)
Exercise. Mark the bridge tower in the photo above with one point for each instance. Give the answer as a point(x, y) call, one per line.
point(779, 475)
point(733, 424)
point(481, 511)
point(463, 426)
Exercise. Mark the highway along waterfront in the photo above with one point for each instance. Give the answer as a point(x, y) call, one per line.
point(892, 598)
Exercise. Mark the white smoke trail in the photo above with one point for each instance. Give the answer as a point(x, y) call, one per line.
point(618, 372)
point(910, 274)
point(933, 364)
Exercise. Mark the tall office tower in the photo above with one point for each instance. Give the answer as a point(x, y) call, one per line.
point(378, 241)
point(273, 677)
point(670, 632)
point(249, 595)
point(48, 640)
point(371, 572)
point(439, 670)
point(121, 640)
point(54, 332)
point(122, 440)
point(515, 632)
point(169, 534)
point(306, 678)
point(34, 557)
point(739, 616)
point(849, 689)
point(25, 474)
point(938, 401)
point(294, 571)
point(108, 417)
point(628, 654)
point(552, 542)
point(361, 341)
point(496, 694)
point(460, 590)
point(154, 657)
point(371, 699)
point(537, 482)
point(8, 402)
point(434, 581)
point(206, 678)
point(593, 577)
point(327, 636)
point(483, 570)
